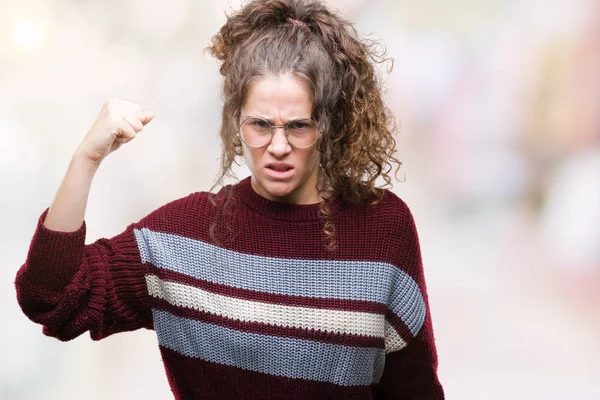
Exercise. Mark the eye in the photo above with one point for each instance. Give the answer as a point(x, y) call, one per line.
point(259, 123)
point(298, 125)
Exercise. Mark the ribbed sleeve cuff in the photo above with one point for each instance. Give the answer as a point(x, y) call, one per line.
point(54, 256)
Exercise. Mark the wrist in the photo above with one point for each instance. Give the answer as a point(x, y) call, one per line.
point(80, 157)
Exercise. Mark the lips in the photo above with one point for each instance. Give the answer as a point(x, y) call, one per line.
point(279, 167)
point(279, 171)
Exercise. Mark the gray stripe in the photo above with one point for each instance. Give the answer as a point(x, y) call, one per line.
point(339, 279)
point(406, 301)
point(288, 357)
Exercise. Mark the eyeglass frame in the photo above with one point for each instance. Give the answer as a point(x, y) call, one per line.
point(285, 132)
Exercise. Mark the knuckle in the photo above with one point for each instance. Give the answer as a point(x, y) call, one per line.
point(113, 119)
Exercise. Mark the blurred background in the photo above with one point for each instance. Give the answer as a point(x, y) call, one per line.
point(499, 106)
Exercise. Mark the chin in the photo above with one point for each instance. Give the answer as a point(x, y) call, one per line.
point(278, 189)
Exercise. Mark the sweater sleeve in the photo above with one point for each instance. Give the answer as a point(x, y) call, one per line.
point(411, 372)
point(71, 288)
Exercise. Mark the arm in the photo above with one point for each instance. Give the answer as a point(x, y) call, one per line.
point(410, 373)
point(67, 286)
point(67, 211)
point(71, 288)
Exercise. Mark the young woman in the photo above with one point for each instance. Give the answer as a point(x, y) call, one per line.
point(302, 281)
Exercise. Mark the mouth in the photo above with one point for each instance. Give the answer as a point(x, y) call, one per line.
point(279, 167)
point(279, 170)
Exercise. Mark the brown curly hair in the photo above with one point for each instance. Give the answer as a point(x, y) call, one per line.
point(309, 41)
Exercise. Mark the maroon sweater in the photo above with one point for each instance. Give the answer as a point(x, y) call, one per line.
point(269, 313)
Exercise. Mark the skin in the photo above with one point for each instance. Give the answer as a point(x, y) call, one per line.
point(279, 99)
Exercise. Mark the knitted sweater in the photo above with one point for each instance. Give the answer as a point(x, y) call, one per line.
point(270, 313)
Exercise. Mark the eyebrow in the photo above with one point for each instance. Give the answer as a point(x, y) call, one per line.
point(272, 122)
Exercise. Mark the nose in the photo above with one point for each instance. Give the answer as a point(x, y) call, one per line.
point(279, 145)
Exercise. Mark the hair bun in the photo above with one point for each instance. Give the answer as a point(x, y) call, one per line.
point(298, 23)
point(255, 16)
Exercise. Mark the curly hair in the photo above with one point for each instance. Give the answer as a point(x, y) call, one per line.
point(318, 46)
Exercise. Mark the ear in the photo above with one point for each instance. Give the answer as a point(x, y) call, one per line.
point(238, 149)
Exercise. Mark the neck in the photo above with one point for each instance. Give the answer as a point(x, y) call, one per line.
point(247, 196)
point(309, 195)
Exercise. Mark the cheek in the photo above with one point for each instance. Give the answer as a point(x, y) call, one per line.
point(250, 156)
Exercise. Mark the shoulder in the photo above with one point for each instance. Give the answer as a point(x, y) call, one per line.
point(172, 210)
point(397, 225)
point(193, 208)
point(396, 221)
point(392, 210)
point(382, 231)
point(176, 211)
point(392, 202)
point(389, 217)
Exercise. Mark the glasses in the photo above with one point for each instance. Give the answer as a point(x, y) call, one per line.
point(258, 132)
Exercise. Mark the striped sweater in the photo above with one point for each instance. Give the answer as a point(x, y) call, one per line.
point(269, 313)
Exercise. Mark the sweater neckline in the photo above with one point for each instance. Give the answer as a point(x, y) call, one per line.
point(276, 209)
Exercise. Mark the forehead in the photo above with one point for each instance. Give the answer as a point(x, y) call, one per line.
point(278, 95)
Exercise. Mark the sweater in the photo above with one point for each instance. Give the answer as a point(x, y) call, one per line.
point(269, 312)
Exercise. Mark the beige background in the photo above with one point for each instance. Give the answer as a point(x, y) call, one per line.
point(499, 102)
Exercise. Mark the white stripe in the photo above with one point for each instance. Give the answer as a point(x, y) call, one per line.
point(393, 341)
point(373, 281)
point(338, 321)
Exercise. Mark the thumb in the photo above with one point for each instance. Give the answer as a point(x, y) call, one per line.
point(148, 116)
